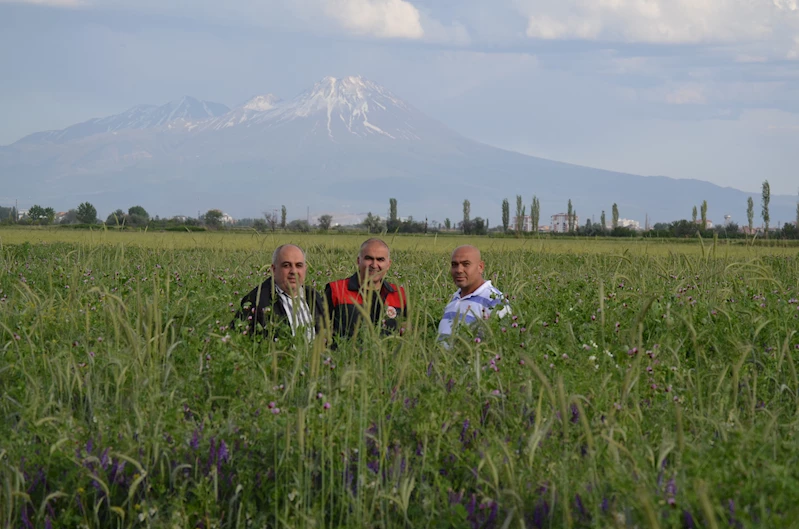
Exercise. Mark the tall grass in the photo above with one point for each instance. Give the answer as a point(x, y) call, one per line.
point(630, 388)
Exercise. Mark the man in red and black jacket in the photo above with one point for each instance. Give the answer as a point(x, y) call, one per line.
point(366, 290)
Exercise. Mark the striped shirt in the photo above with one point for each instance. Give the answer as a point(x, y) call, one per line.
point(479, 305)
point(298, 313)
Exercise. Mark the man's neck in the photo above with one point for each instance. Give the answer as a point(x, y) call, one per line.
point(463, 293)
point(368, 284)
point(289, 293)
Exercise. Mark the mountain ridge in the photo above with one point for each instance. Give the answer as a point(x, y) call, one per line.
point(343, 143)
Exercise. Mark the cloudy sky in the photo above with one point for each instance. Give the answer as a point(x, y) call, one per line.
point(705, 89)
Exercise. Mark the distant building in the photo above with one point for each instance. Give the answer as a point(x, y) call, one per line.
point(527, 223)
point(227, 219)
point(560, 222)
point(631, 224)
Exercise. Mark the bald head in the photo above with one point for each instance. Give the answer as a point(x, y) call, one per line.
point(466, 268)
point(468, 249)
point(374, 242)
point(277, 253)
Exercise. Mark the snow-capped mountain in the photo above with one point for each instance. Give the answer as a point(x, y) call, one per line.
point(261, 103)
point(186, 109)
point(336, 110)
point(344, 143)
point(351, 105)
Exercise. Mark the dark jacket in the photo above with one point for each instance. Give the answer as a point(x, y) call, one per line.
point(263, 306)
point(345, 303)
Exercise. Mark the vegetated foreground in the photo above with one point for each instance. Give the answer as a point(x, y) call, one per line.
point(627, 390)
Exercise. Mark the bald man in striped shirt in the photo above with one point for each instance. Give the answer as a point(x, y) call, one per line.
point(476, 299)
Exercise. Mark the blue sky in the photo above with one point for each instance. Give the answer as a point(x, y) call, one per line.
point(705, 89)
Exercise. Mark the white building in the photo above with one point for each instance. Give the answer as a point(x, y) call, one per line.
point(629, 223)
point(527, 223)
point(560, 222)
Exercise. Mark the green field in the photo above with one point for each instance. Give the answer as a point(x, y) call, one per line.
point(641, 384)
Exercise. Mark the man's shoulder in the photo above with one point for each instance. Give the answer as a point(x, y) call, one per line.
point(488, 289)
point(262, 291)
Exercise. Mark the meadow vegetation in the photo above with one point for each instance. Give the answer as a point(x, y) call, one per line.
point(637, 384)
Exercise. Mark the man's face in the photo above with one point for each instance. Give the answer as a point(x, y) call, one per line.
point(373, 263)
point(289, 270)
point(467, 269)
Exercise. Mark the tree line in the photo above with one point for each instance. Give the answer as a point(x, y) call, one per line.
point(138, 217)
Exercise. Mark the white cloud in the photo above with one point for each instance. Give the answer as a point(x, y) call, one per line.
point(661, 21)
point(686, 95)
point(55, 3)
point(793, 53)
point(746, 58)
point(377, 18)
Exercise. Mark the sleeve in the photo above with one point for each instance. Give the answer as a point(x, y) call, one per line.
point(404, 300)
point(248, 312)
point(329, 301)
point(319, 312)
point(503, 307)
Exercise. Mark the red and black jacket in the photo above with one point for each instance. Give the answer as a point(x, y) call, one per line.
point(345, 301)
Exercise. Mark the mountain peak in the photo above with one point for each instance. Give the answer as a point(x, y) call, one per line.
point(262, 103)
point(351, 106)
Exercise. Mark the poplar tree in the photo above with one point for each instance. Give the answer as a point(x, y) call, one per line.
point(750, 213)
point(520, 210)
point(765, 199)
point(505, 215)
point(703, 211)
point(569, 217)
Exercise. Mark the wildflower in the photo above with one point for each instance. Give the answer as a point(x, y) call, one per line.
point(319, 396)
point(477, 340)
point(275, 411)
point(521, 362)
point(326, 406)
point(592, 358)
point(17, 337)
